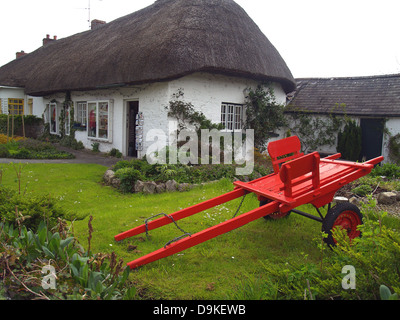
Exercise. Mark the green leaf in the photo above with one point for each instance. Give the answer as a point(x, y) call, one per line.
point(384, 292)
point(48, 252)
point(66, 242)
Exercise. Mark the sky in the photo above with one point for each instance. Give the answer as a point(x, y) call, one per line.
point(316, 38)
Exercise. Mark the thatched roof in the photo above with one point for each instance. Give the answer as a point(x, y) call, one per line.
point(167, 40)
point(373, 96)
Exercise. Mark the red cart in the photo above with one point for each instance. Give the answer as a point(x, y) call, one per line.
point(297, 179)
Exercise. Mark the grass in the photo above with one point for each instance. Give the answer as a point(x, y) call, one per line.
point(216, 269)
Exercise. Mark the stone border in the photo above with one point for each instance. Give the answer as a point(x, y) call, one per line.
point(147, 187)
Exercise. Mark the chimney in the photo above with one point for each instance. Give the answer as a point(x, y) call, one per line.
point(48, 40)
point(97, 23)
point(20, 54)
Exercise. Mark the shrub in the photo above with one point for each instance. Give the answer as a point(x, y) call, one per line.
point(362, 190)
point(389, 170)
point(349, 141)
point(31, 209)
point(115, 153)
point(128, 176)
point(4, 153)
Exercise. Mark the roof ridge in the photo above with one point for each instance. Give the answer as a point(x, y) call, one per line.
point(393, 75)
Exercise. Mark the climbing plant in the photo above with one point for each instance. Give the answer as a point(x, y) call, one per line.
point(186, 115)
point(263, 114)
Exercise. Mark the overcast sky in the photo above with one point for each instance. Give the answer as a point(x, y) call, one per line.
point(316, 38)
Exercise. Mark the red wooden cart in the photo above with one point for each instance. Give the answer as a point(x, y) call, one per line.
point(297, 179)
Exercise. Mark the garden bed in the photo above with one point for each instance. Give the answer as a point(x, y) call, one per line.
point(137, 176)
point(27, 148)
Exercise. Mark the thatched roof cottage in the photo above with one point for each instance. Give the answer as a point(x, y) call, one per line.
point(130, 67)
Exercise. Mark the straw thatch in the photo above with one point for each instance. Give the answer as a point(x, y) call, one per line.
point(164, 41)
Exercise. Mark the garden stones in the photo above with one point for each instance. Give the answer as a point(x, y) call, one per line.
point(387, 198)
point(146, 187)
point(171, 185)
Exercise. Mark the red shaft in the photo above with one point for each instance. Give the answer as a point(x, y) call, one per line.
point(205, 235)
point(182, 214)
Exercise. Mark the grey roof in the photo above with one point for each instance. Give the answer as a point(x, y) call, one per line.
point(362, 96)
point(166, 40)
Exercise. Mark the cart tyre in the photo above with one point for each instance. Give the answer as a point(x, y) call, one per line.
point(345, 215)
point(275, 215)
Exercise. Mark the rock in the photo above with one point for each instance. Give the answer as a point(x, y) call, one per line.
point(109, 175)
point(171, 185)
point(355, 201)
point(340, 199)
point(387, 198)
point(139, 185)
point(184, 187)
point(115, 182)
point(149, 187)
point(160, 188)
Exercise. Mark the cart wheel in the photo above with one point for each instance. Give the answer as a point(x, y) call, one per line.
point(275, 215)
point(344, 215)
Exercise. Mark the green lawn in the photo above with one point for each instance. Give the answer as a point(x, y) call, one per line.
point(216, 269)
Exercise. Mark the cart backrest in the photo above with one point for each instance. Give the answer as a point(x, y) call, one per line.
point(284, 150)
point(297, 171)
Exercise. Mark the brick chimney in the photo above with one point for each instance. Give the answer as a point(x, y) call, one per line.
point(20, 54)
point(48, 40)
point(96, 23)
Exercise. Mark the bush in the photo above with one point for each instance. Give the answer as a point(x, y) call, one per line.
point(362, 190)
point(115, 153)
point(4, 153)
point(128, 176)
point(349, 141)
point(31, 209)
point(389, 170)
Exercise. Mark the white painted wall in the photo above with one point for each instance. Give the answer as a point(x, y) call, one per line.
point(205, 91)
point(393, 127)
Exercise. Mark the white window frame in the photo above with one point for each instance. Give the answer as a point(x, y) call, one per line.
point(81, 113)
point(67, 122)
point(51, 105)
point(110, 104)
point(232, 116)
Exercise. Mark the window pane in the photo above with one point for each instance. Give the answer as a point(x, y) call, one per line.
point(103, 120)
point(53, 118)
point(92, 112)
point(238, 117)
point(223, 114)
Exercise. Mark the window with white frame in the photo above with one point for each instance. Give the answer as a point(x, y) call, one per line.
point(98, 115)
point(53, 116)
point(81, 113)
point(232, 116)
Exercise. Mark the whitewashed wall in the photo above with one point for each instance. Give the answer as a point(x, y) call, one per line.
point(205, 91)
point(393, 128)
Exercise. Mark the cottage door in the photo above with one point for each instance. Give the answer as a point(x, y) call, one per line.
point(372, 136)
point(133, 110)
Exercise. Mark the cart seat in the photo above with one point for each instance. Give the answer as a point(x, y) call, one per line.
point(284, 150)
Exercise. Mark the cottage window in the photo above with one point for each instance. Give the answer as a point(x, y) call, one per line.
point(15, 106)
point(231, 116)
point(98, 116)
point(53, 118)
point(81, 113)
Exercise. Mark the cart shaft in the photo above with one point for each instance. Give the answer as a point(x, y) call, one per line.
point(182, 214)
point(205, 235)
